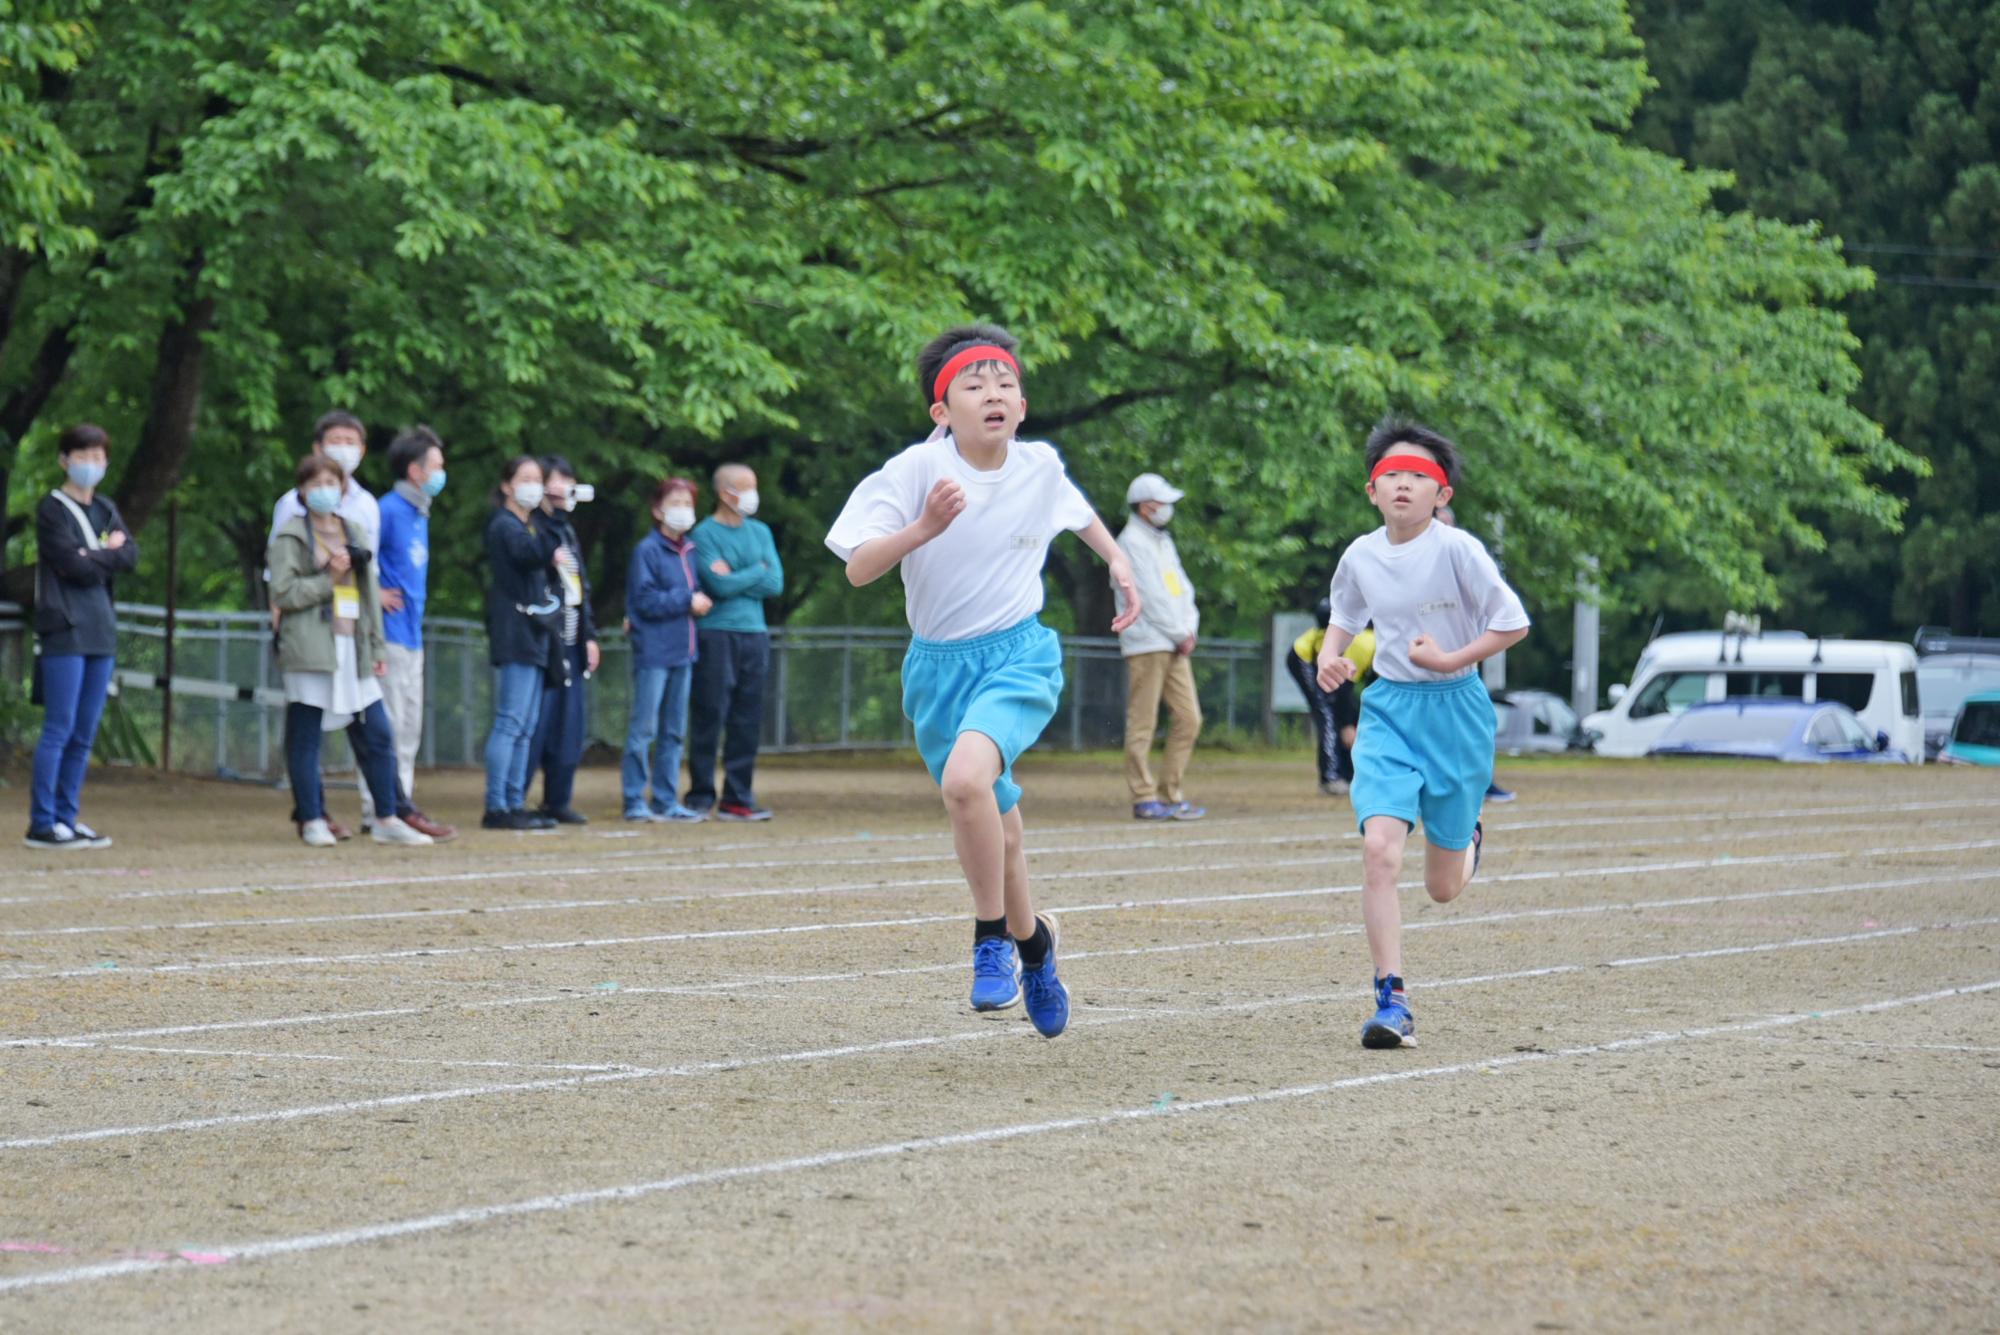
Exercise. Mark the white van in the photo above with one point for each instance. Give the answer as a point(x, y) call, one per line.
point(1877, 679)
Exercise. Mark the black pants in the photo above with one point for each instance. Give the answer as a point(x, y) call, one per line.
point(1330, 713)
point(302, 740)
point(726, 703)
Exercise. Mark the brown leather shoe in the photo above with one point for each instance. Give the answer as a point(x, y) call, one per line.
point(437, 830)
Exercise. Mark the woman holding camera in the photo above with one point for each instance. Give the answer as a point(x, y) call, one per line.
point(332, 653)
point(523, 617)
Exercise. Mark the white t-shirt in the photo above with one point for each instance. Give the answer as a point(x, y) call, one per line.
point(984, 573)
point(1441, 583)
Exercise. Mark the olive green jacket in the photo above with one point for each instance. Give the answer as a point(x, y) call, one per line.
point(302, 593)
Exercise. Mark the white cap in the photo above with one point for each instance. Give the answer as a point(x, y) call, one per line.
point(1151, 487)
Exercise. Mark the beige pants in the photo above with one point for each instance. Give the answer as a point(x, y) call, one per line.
point(403, 697)
point(1148, 677)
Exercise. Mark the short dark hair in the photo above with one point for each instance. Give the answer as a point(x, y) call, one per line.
point(953, 341)
point(555, 463)
point(1393, 431)
point(82, 436)
point(673, 484)
point(338, 417)
point(311, 466)
point(409, 448)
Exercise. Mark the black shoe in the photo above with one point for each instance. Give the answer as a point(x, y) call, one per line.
point(498, 820)
point(564, 815)
point(57, 837)
point(525, 819)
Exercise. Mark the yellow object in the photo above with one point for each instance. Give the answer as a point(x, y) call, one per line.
point(1173, 582)
point(1360, 652)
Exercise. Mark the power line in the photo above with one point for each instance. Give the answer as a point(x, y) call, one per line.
point(1911, 248)
point(1922, 280)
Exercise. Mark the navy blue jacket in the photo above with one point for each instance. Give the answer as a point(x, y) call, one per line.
point(518, 574)
point(659, 588)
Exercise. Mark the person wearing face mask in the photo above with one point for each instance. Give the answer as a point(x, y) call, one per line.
point(522, 614)
point(332, 653)
point(663, 598)
point(82, 546)
point(557, 746)
point(1157, 649)
point(416, 461)
point(737, 563)
point(340, 437)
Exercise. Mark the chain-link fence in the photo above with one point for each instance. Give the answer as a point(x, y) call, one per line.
point(831, 688)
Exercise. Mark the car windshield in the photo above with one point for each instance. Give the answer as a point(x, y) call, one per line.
point(1979, 725)
point(1729, 725)
point(1944, 687)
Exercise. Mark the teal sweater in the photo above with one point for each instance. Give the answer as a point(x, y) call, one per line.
point(755, 573)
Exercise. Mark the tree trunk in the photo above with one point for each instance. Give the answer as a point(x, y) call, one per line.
point(168, 434)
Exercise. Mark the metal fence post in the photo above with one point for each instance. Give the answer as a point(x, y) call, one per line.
point(846, 683)
point(782, 649)
point(465, 699)
point(1229, 710)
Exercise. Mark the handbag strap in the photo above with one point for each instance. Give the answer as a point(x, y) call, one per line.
point(82, 519)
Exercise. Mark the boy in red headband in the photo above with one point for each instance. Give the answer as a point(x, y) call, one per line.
point(1425, 745)
point(969, 515)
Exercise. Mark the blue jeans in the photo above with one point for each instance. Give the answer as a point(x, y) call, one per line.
point(558, 744)
point(726, 705)
point(73, 691)
point(659, 709)
point(374, 746)
point(517, 707)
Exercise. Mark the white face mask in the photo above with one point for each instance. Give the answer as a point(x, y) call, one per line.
point(1163, 513)
point(746, 502)
point(679, 518)
point(527, 495)
point(347, 456)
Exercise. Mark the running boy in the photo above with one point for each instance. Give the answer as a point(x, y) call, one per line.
point(1425, 745)
point(969, 515)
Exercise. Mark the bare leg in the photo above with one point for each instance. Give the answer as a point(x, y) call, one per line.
point(1020, 906)
point(1381, 862)
point(1447, 871)
point(977, 830)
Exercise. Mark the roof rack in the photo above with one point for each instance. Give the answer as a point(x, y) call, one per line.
point(1939, 640)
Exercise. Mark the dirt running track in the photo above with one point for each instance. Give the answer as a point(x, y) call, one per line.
point(1703, 1047)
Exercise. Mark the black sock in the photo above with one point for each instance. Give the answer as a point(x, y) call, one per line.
point(1035, 949)
point(985, 927)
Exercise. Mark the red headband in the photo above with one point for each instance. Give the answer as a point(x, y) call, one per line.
point(1409, 463)
point(978, 352)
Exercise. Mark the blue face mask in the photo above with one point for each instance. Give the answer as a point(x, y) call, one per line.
point(85, 475)
point(322, 500)
point(434, 483)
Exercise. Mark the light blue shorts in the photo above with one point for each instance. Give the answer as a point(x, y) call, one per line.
point(1003, 686)
point(1425, 750)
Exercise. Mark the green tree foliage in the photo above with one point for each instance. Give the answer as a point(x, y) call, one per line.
point(661, 235)
point(1882, 120)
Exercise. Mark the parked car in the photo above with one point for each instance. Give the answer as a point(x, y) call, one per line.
point(1947, 680)
point(1794, 731)
point(1877, 679)
point(1535, 722)
point(1975, 733)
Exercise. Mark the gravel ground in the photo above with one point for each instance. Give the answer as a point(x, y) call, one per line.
point(1704, 1046)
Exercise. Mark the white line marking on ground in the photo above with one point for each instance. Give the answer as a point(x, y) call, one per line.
point(367, 1233)
point(619, 1074)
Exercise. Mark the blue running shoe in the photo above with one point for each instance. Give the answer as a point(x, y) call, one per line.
point(1495, 793)
point(1188, 811)
point(1393, 1025)
point(996, 974)
point(1152, 811)
point(1047, 998)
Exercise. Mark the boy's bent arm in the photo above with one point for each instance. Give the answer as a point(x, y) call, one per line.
point(1098, 538)
point(878, 556)
point(1425, 654)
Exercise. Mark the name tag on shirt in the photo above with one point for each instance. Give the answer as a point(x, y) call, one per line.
point(1173, 583)
point(1027, 542)
point(347, 602)
point(1442, 605)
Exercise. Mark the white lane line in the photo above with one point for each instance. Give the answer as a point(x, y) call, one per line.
point(587, 869)
point(1108, 906)
point(344, 1057)
point(1328, 858)
point(1861, 1043)
point(348, 1237)
point(626, 1073)
point(780, 980)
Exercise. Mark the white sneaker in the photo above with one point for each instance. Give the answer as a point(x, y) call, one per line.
point(90, 836)
point(394, 830)
point(316, 834)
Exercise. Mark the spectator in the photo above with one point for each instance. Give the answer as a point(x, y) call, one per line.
point(1157, 648)
point(1334, 714)
point(737, 563)
point(332, 654)
point(522, 614)
point(663, 598)
point(82, 546)
point(573, 655)
point(416, 461)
